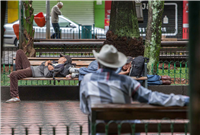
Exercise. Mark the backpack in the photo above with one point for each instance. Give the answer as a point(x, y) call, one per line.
point(137, 66)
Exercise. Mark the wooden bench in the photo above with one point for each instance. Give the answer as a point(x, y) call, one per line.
point(148, 114)
point(80, 62)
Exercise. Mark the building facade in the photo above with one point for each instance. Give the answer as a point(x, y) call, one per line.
point(175, 17)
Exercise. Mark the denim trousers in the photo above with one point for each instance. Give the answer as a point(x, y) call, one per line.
point(154, 80)
point(57, 30)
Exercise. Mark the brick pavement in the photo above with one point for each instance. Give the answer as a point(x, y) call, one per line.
point(33, 114)
point(48, 113)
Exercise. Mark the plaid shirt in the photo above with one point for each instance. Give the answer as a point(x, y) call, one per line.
point(106, 86)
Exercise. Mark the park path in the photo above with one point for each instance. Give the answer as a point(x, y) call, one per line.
point(33, 114)
point(47, 113)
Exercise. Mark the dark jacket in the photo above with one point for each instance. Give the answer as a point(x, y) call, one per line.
point(60, 70)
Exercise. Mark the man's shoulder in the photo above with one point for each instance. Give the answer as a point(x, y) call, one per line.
point(91, 77)
point(88, 76)
point(55, 7)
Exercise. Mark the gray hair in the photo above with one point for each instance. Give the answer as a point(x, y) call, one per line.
point(60, 4)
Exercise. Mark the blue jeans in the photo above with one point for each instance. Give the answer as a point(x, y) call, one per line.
point(56, 28)
point(154, 80)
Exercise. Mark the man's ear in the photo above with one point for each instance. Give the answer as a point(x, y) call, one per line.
point(65, 59)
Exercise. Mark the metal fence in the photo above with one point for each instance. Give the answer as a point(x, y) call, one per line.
point(75, 128)
point(53, 49)
point(91, 32)
point(71, 32)
point(73, 49)
point(171, 51)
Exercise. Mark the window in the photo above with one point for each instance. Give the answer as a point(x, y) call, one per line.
point(63, 22)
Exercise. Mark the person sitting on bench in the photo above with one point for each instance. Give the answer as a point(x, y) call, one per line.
point(105, 86)
point(24, 69)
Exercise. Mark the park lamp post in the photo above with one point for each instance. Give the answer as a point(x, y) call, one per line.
point(194, 62)
point(21, 24)
point(47, 19)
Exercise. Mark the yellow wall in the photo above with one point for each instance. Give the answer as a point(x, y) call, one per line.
point(13, 11)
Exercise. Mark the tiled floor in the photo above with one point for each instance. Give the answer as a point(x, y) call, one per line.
point(47, 114)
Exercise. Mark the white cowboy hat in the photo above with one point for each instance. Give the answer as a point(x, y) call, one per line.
point(110, 57)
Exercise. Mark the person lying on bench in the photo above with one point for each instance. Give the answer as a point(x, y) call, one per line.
point(105, 86)
point(24, 69)
point(151, 79)
point(125, 70)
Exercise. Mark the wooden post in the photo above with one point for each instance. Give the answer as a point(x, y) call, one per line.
point(47, 19)
point(194, 65)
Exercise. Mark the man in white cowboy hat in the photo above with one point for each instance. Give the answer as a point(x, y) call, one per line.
point(105, 86)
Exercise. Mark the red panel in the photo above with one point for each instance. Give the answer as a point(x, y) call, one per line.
point(185, 20)
point(107, 14)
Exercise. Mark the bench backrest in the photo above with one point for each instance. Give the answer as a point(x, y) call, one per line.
point(138, 111)
point(80, 62)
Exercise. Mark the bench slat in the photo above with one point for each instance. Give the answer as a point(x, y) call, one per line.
point(133, 106)
point(44, 78)
point(140, 127)
point(62, 78)
point(56, 58)
point(141, 78)
point(141, 114)
point(78, 63)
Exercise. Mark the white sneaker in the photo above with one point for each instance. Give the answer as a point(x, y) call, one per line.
point(75, 75)
point(74, 70)
point(13, 100)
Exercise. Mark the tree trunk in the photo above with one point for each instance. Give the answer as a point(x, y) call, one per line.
point(153, 35)
point(27, 44)
point(124, 30)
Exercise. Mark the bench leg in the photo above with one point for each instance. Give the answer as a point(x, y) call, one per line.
point(89, 130)
point(14, 67)
point(93, 123)
point(145, 74)
point(145, 84)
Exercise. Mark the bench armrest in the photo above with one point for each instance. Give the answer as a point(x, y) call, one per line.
point(145, 74)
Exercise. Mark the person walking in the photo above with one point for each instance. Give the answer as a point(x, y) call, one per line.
point(55, 11)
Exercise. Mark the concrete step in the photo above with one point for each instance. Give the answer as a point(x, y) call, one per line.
point(45, 93)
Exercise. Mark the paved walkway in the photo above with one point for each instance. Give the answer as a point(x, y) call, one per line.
point(47, 113)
